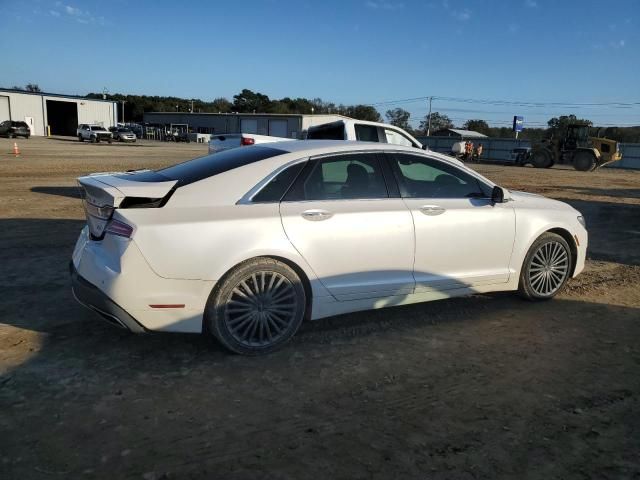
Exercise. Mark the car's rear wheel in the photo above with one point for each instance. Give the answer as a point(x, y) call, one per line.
point(257, 307)
point(546, 267)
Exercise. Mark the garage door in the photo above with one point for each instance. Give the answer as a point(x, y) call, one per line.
point(4, 109)
point(278, 128)
point(248, 125)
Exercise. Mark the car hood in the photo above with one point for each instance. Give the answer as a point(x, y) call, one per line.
point(532, 200)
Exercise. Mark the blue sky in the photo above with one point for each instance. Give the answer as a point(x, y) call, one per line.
point(360, 51)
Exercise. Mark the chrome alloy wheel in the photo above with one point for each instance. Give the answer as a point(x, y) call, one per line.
point(261, 308)
point(549, 268)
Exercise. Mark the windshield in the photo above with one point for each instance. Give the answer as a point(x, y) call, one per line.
point(97, 129)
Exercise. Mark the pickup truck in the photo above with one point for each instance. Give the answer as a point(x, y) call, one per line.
point(93, 133)
point(363, 131)
point(218, 143)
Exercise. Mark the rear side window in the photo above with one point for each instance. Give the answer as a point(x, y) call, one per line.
point(341, 177)
point(333, 131)
point(210, 165)
point(366, 133)
point(278, 186)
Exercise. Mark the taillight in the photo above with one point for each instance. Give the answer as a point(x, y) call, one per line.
point(247, 141)
point(119, 228)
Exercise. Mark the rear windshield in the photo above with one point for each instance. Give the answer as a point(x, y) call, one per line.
point(204, 167)
point(334, 131)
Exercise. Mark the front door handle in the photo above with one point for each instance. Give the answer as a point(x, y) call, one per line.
point(432, 210)
point(316, 215)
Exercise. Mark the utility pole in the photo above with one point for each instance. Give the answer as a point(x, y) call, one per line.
point(191, 106)
point(429, 123)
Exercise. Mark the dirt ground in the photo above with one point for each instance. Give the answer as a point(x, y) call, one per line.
point(488, 386)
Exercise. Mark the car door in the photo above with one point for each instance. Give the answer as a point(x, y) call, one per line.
point(357, 238)
point(462, 238)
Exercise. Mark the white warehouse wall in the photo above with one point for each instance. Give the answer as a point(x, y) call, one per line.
point(23, 105)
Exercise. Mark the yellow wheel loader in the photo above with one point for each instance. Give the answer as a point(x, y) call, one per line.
point(577, 148)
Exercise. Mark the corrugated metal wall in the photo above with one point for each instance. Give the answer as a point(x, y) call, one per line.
point(24, 105)
point(499, 149)
point(224, 123)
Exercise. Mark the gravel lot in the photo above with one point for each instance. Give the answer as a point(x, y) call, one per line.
point(487, 386)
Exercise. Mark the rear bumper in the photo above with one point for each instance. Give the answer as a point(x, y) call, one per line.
point(113, 278)
point(93, 298)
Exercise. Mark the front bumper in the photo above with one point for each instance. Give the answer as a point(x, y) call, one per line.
point(93, 298)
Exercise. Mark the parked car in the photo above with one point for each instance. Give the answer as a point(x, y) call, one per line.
point(122, 134)
point(11, 129)
point(218, 143)
point(247, 243)
point(360, 130)
point(93, 133)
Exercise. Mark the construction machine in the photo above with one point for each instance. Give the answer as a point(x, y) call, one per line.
point(577, 148)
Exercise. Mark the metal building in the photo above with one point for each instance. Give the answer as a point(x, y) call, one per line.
point(57, 114)
point(275, 124)
point(458, 133)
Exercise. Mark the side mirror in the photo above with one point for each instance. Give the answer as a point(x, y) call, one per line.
point(497, 195)
point(425, 147)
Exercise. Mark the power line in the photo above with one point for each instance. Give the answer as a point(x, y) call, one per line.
point(509, 102)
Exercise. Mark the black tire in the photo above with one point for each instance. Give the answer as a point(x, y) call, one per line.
point(541, 159)
point(257, 307)
point(540, 280)
point(80, 139)
point(109, 140)
point(584, 161)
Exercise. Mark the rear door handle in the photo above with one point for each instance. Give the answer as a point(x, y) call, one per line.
point(432, 210)
point(316, 215)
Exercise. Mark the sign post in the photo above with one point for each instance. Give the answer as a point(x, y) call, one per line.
point(518, 124)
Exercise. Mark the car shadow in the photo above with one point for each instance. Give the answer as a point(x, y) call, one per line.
point(614, 229)
point(606, 192)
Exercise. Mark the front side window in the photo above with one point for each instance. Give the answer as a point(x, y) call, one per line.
point(341, 177)
point(423, 177)
point(396, 138)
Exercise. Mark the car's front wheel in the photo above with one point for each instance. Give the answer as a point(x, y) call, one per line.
point(546, 267)
point(257, 307)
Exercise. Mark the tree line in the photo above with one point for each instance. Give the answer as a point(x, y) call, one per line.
point(246, 101)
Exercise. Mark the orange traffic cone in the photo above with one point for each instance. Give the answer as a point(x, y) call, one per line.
point(16, 150)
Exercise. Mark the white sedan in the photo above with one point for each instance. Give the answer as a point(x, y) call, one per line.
point(248, 243)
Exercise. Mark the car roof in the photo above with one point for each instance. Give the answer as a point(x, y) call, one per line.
point(320, 147)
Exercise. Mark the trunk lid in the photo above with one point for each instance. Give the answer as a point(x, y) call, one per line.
point(105, 192)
